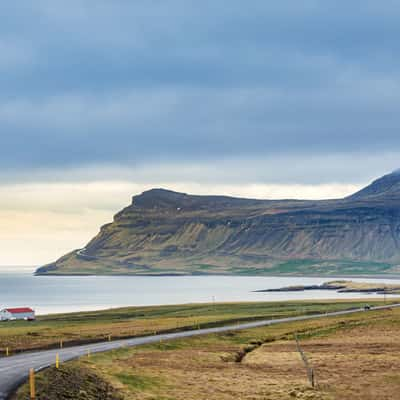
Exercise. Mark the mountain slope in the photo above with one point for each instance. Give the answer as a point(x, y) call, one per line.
point(386, 187)
point(164, 232)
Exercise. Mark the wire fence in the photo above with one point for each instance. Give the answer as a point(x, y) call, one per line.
point(310, 370)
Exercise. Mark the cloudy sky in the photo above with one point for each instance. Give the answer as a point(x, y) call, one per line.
point(100, 100)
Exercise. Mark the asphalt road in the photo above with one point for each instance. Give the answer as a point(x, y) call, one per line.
point(14, 370)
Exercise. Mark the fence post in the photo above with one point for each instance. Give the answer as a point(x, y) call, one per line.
point(32, 384)
point(312, 377)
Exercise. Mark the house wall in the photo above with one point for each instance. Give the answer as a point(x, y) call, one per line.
point(23, 315)
point(4, 315)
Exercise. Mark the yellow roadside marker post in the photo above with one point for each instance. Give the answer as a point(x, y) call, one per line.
point(32, 383)
point(57, 361)
point(109, 338)
point(7, 352)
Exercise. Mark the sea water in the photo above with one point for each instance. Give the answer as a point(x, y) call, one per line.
point(55, 294)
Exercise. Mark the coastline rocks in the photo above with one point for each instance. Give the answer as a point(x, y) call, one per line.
point(341, 287)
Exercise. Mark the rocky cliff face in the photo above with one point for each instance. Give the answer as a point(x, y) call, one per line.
point(169, 232)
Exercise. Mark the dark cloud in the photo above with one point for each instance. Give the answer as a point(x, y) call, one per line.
point(100, 82)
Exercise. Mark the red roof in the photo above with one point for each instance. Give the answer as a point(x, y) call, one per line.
point(19, 310)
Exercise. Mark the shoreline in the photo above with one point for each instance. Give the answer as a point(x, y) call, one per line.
point(118, 308)
point(177, 275)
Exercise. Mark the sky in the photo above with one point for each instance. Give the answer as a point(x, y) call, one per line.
point(101, 100)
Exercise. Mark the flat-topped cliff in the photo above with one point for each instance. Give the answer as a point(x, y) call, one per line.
point(165, 232)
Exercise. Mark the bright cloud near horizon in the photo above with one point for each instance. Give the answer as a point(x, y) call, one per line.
point(102, 100)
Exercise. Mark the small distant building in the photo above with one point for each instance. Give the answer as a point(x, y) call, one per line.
point(25, 313)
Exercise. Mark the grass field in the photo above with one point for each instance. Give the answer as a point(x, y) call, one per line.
point(355, 357)
point(321, 268)
point(49, 331)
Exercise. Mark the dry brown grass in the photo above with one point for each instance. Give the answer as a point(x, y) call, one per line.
point(354, 363)
point(363, 364)
point(355, 357)
point(202, 374)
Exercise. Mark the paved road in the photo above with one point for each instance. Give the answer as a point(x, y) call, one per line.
point(14, 370)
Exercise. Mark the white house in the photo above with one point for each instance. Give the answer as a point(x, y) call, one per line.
point(17, 313)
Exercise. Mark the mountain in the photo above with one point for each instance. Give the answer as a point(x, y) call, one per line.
point(386, 187)
point(165, 232)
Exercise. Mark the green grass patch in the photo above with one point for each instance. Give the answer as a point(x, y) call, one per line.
point(334, 267)
point(138, 382)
